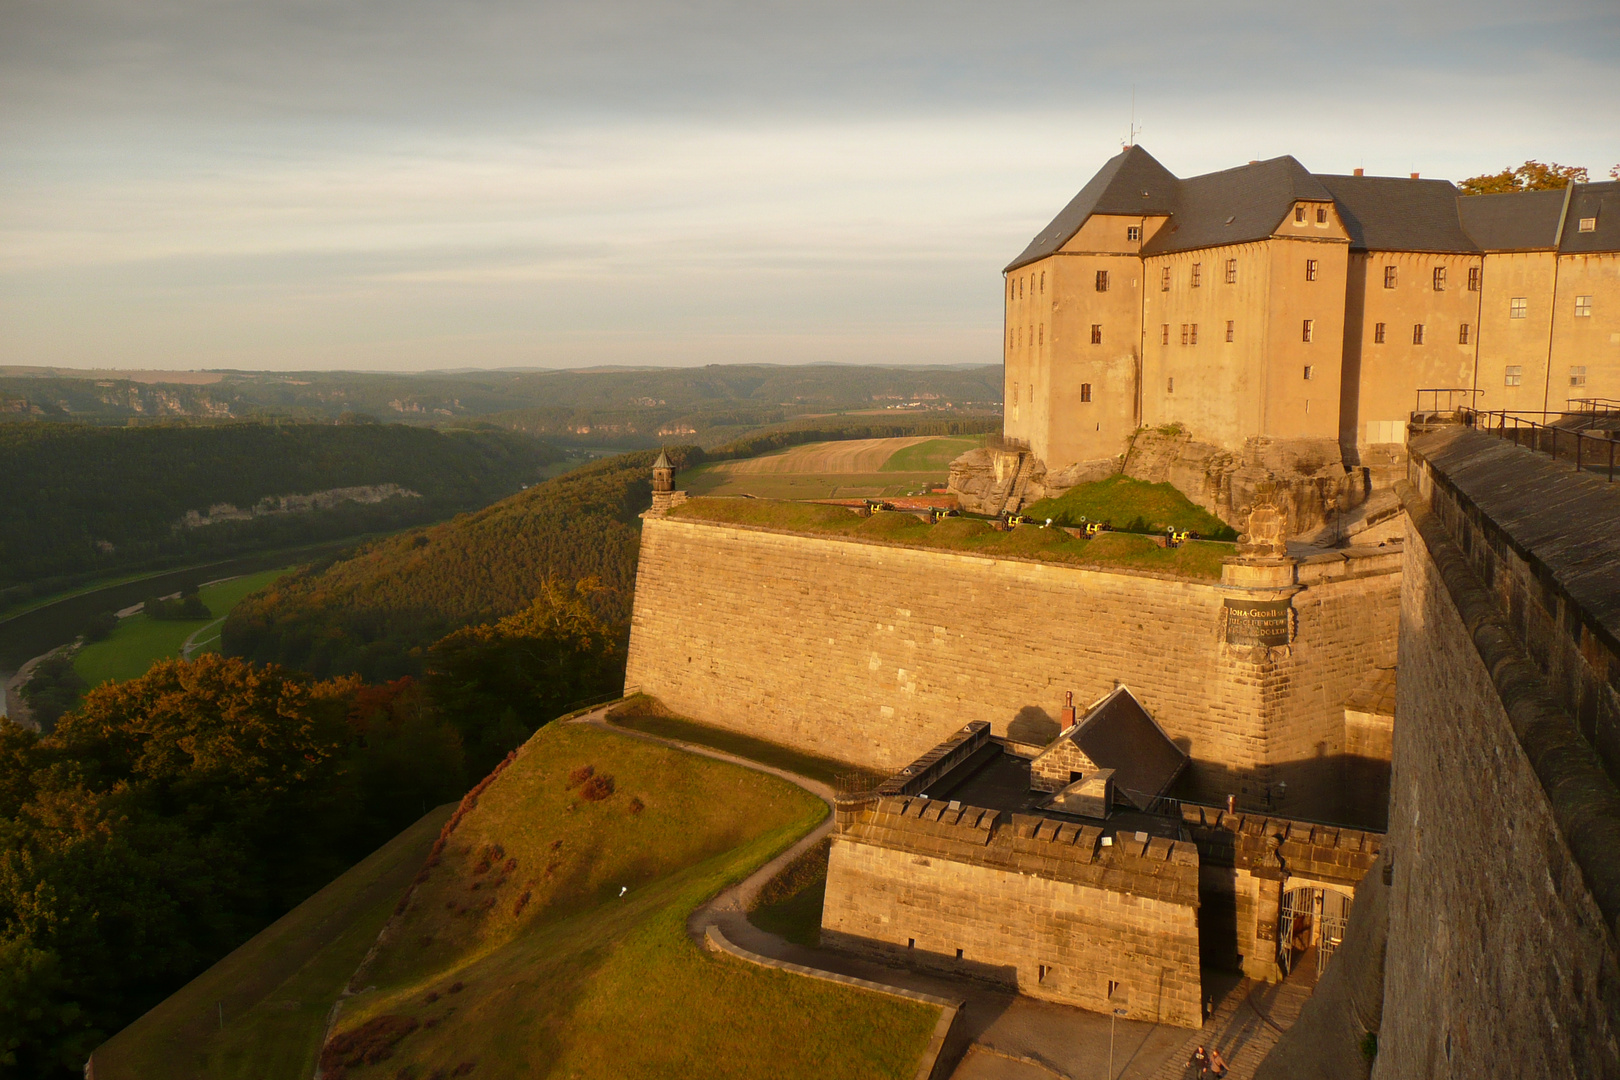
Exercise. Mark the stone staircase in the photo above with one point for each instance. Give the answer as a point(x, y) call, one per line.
point(1247, 1023)
point(1013, 497)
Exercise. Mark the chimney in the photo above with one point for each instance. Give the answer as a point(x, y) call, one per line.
point(1359, 173)
point(1068, 709)
point(1254, 162)
point(1414, 176)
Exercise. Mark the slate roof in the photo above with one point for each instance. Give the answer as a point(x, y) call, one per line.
point(1381, 213)
point(1119, 734)
point(1236, 205)
point(662, 462)
point(1601, 201)
point(1388, 213)
point(1132, 182)
point(1515, 221)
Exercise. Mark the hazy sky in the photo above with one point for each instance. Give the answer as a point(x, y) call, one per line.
point(404, 185)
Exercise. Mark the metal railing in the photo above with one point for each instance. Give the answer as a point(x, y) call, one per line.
point(1595, 404)
point(1589, 453)
point(1446, 399)
point(994, 441)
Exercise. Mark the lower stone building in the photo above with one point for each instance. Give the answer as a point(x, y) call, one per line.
point(966, 862)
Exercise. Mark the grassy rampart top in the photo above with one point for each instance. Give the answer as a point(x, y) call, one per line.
point(1197, 560)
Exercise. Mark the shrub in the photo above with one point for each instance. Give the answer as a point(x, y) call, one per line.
point(371, 1042)
point(580, 775)
point(597, 788)
point(636, 805)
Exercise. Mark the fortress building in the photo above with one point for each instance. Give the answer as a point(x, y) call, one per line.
point(1282, 322)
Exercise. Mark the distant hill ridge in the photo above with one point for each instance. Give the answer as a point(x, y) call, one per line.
point(83, 501)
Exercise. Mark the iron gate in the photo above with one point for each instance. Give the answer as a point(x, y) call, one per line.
point(1311, 917)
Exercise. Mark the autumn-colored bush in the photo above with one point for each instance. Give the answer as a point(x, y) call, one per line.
point(371, 1042)
point(580, 775)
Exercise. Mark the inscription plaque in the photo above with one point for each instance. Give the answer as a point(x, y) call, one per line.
point(1259, 622)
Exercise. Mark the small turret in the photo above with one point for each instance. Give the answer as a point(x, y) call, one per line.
point(663, 475)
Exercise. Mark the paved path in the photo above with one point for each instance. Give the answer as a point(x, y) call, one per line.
point(1009, 1037)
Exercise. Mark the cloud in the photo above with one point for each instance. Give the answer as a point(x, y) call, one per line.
point(203, 183)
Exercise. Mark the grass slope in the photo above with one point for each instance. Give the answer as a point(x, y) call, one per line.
point(519, 956)
point(1199, 559)
point(275, 991)
point(1131, 504)
point(933, 456)
point(139, 641)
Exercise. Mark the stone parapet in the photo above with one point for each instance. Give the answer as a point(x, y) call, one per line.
point(1280, 847)
point(1131, 863)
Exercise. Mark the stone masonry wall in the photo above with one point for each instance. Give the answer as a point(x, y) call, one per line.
point(1036, 904)
point(873, 653)
point(1501, 958)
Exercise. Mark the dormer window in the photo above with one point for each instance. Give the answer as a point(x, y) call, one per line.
point(1133, 233)
point(1299, 215)
point(1588, 224)
point(1321, 215)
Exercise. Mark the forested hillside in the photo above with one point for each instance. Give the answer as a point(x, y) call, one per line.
point(373, 611)
point(82, 501)
point(376, 610)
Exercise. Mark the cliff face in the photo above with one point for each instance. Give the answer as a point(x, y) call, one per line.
point(294, 504)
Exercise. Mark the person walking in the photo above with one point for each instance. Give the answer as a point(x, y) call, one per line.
point(1217, 1064)
point(1198, 1065)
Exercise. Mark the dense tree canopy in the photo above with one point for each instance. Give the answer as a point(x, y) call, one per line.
point(83, 501)
point(170, 817)
point(1531, 176)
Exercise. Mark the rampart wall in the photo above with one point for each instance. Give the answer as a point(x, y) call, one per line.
point(1504, 827)
point(1101, 926)
point(873, 653)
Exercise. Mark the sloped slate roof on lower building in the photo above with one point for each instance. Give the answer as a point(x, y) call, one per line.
point(1119, 734)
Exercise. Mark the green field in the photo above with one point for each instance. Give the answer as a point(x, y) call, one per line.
point(549, 938)
point(1198, 559)
point(139, 641)
point(260, 1013)
point(933, 456)
point(1131, 504)
point(848, 469)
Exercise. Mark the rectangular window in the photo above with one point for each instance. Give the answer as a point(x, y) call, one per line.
point(1308, 329)
point(1015, 392)
point(1577, 375)
point(1321, 215)
point(1133, 232)
point(1231, 271)
point(959, 954)
point(1020, 288)
point(1310, 269)
point(1518, 307)
point(1299, 215)
point(1032, 393)
point(1044, 972)
point(1096, 333)
point(1310, 371)
point(1417, 333)
point(1170, 385)
point(1389, 277)
point(1378, 333)
point(1193, 340)
point(1462, 334)
point(1583, 307)
point(1439, 279)
point(1184, 333)
point(1164, 334)
point(1102, 281)
point(1473, 279)
point(1197, 269)
point(1588, 224)
point(1514, 374)
point(1043, 281)
point(1231, 330)
point(1085, 391)
point(1164, 280)
point(1040, 334)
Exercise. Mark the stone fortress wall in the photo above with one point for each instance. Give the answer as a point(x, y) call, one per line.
point(1102, 924)
point(1505, 818)
point(872, 653)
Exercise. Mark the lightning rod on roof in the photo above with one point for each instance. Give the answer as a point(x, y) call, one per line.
point(1134, 131)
